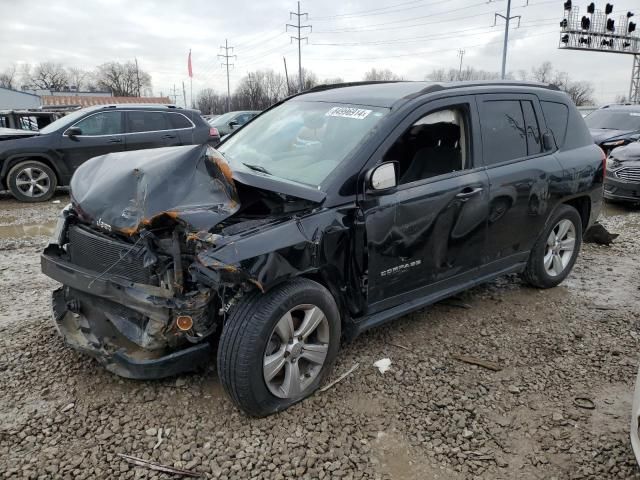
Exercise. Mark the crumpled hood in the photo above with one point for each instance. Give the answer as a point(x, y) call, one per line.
point(127, 191)
point(602, 134)
point(627, 153)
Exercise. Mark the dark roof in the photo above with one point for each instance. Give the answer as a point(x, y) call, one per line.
point(88, 101)
point(385, 94)
point(18, 91)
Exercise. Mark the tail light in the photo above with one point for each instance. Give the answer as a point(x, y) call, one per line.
point(213, 132)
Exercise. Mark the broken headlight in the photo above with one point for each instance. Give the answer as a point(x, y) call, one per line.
point(58, 237)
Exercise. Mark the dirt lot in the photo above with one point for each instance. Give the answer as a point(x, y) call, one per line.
point(430, 417)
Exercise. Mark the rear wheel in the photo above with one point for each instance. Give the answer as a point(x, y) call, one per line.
point(556, 250)
point(32, 181)
point(277, 348)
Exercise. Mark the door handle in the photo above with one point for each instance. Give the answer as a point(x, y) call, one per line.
point(469, 192)
point(115, 140)
point(168, 136)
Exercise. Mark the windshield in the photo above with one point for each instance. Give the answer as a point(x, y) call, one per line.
point(613, 120)
point(301, 141)
point(222, 119)
point(64, 121)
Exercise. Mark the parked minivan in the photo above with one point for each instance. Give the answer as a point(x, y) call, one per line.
point(333, 212)
point(32, 167)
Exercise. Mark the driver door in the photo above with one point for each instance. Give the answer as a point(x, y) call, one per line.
point(428, 233)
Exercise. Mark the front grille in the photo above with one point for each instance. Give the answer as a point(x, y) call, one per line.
point(104, 255)
point(629, 174)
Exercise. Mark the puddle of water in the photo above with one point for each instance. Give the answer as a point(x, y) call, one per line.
point(27, 230)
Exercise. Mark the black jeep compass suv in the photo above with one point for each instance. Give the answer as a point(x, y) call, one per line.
point(32, 167)
point(332, 212)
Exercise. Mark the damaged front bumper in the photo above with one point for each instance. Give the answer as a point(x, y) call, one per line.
point(126, 326)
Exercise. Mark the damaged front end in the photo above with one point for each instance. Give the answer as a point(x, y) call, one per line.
point(141, 290)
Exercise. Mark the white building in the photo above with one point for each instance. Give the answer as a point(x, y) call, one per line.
point(17, 100)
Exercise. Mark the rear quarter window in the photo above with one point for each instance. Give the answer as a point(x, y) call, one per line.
point(178, 120)
point(557, 117)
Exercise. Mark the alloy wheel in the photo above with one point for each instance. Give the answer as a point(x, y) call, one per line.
point(33, 182)
point(561, 244)
point(296, 351)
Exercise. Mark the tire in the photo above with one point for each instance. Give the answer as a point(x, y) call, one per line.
point(541, 273)
point(249, 337)
point(32, 181)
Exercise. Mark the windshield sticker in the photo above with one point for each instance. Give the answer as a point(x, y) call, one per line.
point(347, 112)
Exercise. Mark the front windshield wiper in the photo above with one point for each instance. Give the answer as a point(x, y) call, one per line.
point(257, 168)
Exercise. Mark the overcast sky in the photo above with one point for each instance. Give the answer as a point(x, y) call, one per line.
point(410, 37)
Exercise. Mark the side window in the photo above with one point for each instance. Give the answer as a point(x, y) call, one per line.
point(503, 131)
point(244, 118)
point(103, 123)
point(146, 121)
point(434, 145)
point(4, 121)
point(557, 116)
point(178, 120)
point(534, 143)
point(28, 123)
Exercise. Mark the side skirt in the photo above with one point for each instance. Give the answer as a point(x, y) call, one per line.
point(385, 316)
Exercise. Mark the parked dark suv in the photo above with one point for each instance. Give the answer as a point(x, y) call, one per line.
point(333, 212)
point(32, 167)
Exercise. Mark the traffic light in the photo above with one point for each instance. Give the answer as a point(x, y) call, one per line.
point(632, 27)
point(591, 8)
point(610, 25)
point(585, 23)
point(565, 38)
point(567, 5)
point(629, 14)
point(585, 40)
point(564, 23)
point(608, 9)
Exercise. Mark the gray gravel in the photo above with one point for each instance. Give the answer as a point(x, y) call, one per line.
point(429, 417)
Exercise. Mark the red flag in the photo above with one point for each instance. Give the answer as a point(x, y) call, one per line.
point(189, 66)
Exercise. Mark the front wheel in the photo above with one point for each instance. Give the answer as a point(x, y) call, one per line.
point(556, 250)
point(277, 348)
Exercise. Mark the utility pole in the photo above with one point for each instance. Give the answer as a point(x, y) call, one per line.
point(286, 75)
point(184, 95)
point(634, 89)
point(461, 53)
point(174, 93)
point(299, 38)
point(137, 76)
point(226, 57)
point(507, 19)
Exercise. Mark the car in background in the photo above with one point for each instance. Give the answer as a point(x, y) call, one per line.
point(622, 182)
point(586, 110)
point(614, 125)
point(31, 168)
point(232, 121)
point(27, 119)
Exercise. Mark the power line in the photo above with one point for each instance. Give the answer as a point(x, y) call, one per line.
point(413, 54)
point(299, 38)
point(387, 12)
point(226, 57)
point(340, 15)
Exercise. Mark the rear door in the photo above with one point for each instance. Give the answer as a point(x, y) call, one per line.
point(521, 175)
point(149, 129)
point(185, 128)
point(428, 233)
point(102, 132)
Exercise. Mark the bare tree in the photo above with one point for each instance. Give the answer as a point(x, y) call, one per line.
point(581, 92)
point(467, 74)
point(380, 75)
point(122, 79)
point(45, 76)
point(210, 102)
point(77, 77)
point(8, 77)
point(621, 98)
point(544, 73)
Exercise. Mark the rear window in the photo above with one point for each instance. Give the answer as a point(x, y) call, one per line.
point(503, 131)
point(557, 116)
point(145, 121)
point(613, 120)
point(178, 120)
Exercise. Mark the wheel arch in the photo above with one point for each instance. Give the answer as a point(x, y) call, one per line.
point(582, 204)
point(13, 160)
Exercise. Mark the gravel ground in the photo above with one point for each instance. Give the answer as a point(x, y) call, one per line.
point(429, 417)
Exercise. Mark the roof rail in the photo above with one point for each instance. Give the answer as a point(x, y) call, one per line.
point(329, 86)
